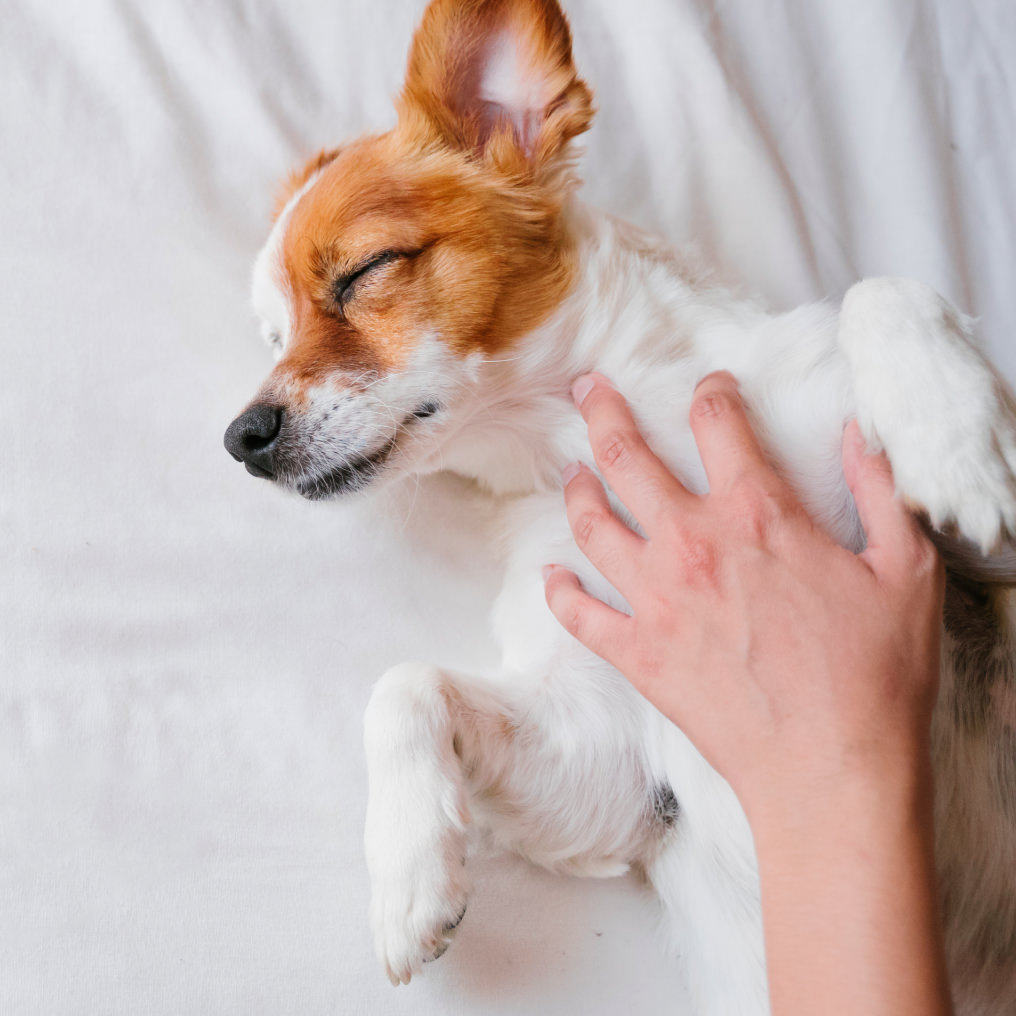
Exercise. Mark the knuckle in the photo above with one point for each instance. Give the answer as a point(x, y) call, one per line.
point(699, 560)
point(607, 560)
point(573, 620)
point(586, 526)
point(615, 450)
point(713, 404)
point(878, 470)
point(756, 510)
point(566, 607)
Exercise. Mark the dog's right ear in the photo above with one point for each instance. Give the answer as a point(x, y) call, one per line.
point(495, 78)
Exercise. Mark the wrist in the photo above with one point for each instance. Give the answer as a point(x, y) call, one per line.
point(870, 791)
point(849, 901)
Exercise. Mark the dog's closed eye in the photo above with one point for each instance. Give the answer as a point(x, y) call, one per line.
point(344, 287)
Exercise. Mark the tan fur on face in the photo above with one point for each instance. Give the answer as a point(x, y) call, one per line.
point(473, 210)
point(298, 177)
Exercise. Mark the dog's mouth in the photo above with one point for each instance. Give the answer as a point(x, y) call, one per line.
point(357, 473)
point(351, 476)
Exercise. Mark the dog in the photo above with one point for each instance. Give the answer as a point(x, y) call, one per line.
point(430, 294)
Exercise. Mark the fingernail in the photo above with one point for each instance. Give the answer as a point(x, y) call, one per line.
point(723, 376)
point(548, 570)
point(570, 472)
point(581, 388)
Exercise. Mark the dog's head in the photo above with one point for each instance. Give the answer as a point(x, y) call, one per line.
point(398, 264)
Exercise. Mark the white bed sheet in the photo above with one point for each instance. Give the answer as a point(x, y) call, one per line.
point(185, 653)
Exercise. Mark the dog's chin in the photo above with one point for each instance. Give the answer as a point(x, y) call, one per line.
point(347, 477)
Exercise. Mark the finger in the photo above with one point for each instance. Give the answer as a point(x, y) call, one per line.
point(728, 446)
point(645, 485)
point(608, 543)
point(598, 627)
point(895, 540)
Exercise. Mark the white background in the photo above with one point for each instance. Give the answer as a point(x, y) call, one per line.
point(185, 652)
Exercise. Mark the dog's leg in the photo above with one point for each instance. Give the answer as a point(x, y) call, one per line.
point(417, 816)
point(551, 770)
point(930, 399)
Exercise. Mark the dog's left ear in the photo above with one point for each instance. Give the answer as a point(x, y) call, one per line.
point(495, 78)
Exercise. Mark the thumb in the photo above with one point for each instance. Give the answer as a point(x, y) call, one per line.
point(889, 527)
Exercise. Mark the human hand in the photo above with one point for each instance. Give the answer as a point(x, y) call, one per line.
point(792, 664)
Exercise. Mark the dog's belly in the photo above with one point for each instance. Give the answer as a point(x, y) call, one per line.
point(582, 791)
point(567, 764)
point(636, 755)
point(703, 865)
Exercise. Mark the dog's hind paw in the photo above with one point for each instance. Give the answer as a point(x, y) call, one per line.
point(414, 925)
point(417, 820)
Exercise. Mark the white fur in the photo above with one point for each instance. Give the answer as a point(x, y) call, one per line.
point(914, 333)
point(556, 756)
point(270, 295)
point(350, 414)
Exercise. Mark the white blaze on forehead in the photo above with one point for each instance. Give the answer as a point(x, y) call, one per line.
point(270, 291)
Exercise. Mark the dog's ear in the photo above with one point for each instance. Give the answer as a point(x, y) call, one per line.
point(495, 78)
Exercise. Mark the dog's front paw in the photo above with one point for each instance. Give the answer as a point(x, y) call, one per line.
point(419, 889)
point(971, 488)
point(927, 396)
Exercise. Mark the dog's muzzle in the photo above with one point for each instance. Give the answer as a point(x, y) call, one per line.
point(251, 439)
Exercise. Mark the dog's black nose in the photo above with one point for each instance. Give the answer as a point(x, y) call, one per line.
point(250, 438)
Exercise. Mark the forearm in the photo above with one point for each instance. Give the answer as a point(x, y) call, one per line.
point(849, 904)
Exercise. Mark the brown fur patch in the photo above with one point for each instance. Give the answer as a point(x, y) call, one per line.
point(469, 212)
point(981, 654)
point(298, 177)
point(485, 263)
